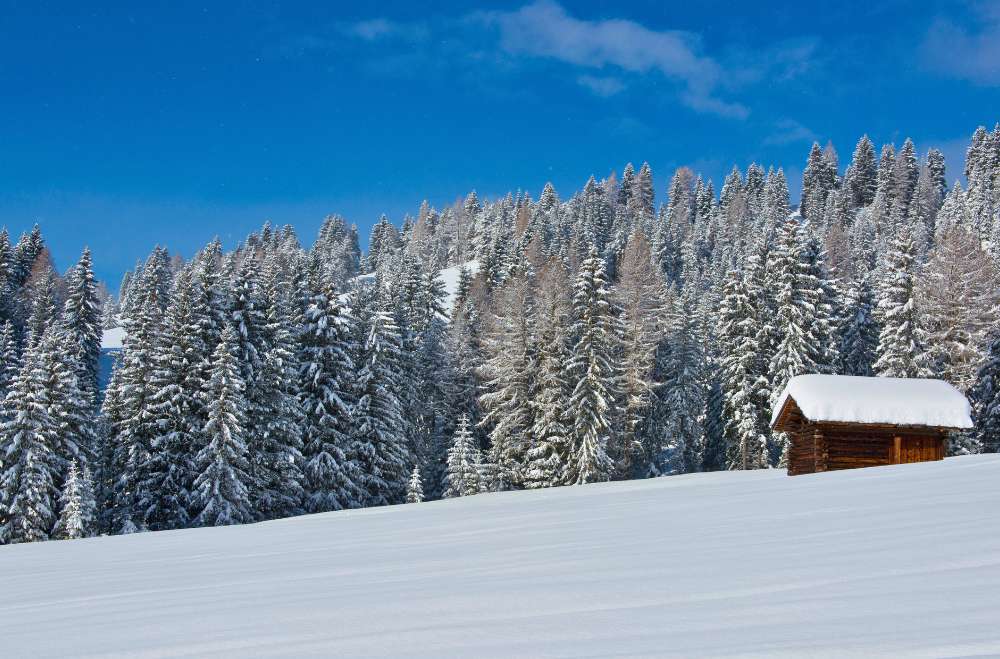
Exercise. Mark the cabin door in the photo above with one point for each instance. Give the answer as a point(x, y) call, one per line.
point(915, 449)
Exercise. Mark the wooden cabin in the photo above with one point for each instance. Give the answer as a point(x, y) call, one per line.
point(846, 422)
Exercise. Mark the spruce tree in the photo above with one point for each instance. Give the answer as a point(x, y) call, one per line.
point(28, 485)
point(82, 321)
point(77, 515)
point(592, 365)
point(742, 373)
point(279, 482)
point(547, 457)
point(415, 487)
point(462, 478)
point(379, 435)
point(220, 494)
point(134, 426)
point(902, 342)
point(684, 387)
point(985, 398)
point(508, 374)
point(859, 340)
point(178, 382)
point(333, 481)
point(10, 359)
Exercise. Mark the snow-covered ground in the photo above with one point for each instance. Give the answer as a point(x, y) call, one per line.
point(890, 561)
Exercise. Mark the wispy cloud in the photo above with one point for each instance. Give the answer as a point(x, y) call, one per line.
point(602, 86)
point(788, 131)
point(970, 52)
point(378, 28)
point(606, 56)
point(545, 29)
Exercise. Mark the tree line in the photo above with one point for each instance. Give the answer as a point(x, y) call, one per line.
point(601, 337)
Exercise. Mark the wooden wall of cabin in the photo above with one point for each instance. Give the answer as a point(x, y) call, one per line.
point(824, 448)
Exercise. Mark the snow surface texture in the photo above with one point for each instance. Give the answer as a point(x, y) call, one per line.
point(112, 338)
point(450, 278)
point(899, 401)
point(888, 561)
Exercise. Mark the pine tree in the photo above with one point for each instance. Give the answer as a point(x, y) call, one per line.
point(379, 434)
point(508, 374)
point(640, 292)
point(985, 397)
point(902, 340)
point(220, 494)
point(595, 392)
point(133, 425)
point(462, 478)
point(795, 290)
point(77, 516)
point(861, 178)
point(743, 383)
point(547, 457)
point(684, 388)
point(859, 341)
point(10, 359)
point(279, 490)
point(178, 382)
point(330, 467)
point(28, 486)
point(958, 306)
point(415, 487)
point(82, 321)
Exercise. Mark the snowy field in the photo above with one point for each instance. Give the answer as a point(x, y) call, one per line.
point(892, 561)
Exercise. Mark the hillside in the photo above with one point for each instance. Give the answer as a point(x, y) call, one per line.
point(889, 561)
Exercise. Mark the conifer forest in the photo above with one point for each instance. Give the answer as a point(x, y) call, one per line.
point(610, 333)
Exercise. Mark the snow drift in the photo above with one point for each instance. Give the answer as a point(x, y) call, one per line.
point(890, 561)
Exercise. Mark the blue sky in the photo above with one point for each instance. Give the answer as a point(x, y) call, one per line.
point(132, 124)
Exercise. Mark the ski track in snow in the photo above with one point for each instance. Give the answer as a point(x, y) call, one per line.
point(889, 561)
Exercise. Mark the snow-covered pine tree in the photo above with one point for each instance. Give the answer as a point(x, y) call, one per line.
point(684, 388)
point(82, 322)
point(69, 408)
point(958, 299)
point(859, 338)
point(31, 469)
point(640, 292)
point(463, 477)
point(379, 429)
point(415, 487)
point(221, 495)
point(178, 382)
point(795, 296)
point(902, 346)
point(10, 359)
point(744, 385)
point(985, 398)
point(333, 481)
point(133, 426)
point(861, 178)
point(246, 313)
point(280, 489)
point(77, 507)
point(596, 392)
point(547, 457)
point(508, 375)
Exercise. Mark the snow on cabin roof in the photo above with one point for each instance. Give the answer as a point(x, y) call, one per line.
point(895, 401)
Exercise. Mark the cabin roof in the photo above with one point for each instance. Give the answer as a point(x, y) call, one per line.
point(886, 401)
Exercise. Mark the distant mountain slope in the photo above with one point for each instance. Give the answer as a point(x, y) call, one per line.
point(892, 561)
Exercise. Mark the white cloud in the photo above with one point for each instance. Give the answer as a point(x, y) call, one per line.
point(970, 54)
point(544, 29)
point(600, 85)
point(787, 131)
